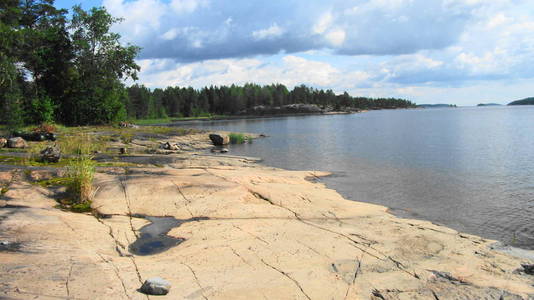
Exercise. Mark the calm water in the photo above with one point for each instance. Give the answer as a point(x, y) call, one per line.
point(471, 169)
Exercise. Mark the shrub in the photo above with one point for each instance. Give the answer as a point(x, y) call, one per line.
point(45, 128)
point(42, 109)
point(237, 138)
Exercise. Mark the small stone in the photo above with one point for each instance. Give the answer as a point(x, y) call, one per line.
point(224, 150)
point(3, 142)
point(16, 142)
point(156, 286)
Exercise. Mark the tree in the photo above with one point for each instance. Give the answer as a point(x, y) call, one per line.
point(100, 63)
point(11, 78)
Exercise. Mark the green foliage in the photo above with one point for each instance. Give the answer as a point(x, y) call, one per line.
point(186, 103)
point(237, 138)
point(42, 110)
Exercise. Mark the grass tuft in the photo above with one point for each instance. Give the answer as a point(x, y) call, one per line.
point(237, 138)
point(81, 173)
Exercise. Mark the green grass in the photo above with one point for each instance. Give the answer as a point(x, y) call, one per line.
point(81, 173)
point(237, 138)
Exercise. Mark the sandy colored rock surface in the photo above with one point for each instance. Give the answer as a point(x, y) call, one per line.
point(265, 234)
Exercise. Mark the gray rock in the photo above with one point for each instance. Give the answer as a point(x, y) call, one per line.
point(156, 286)
point(219, 139)
point(3, 142)
point(169, 146)
point(51, 154)
point(16, 142)
point(224, 150)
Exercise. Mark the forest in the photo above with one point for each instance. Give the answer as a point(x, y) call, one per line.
point(69, 68)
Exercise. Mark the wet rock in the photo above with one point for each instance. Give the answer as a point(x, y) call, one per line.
point(35, 136)
point(16, 142)
point(156, 286)
point(219, 150)
point(51, 154)
point(219, 139)
point(3, 142)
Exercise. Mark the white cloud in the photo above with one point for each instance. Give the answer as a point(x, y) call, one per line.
point(187, 6)
point(336, 37)
point(324, 22)
point(291, 71)
point(375, 47)
point(271, 32)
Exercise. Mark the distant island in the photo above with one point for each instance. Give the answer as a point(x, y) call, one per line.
point(489, 104)
point(526, 101)
point(440, 105)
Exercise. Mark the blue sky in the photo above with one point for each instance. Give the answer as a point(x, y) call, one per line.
point(430, 51)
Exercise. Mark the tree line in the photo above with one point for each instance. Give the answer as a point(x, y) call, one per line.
point(145, 103)
point(70, 70)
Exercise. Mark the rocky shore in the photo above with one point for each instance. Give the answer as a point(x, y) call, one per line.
point(224, 227)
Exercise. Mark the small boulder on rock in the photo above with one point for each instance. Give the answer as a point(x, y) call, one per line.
point(3, 142)
point(169, 146)
point(219, 139)
point(51, 154)
point(156, 286)
point(16, 142)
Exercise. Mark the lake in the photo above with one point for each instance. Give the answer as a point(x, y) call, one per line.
point(471, 168)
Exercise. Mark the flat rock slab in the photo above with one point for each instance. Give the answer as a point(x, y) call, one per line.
point(256, 233)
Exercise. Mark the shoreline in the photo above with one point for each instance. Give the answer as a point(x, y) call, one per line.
point(252, 117)
point(247, 231)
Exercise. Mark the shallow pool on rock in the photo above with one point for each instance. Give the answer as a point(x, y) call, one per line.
point(153, 238)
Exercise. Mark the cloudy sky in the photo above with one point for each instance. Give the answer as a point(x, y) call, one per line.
point(430, 51)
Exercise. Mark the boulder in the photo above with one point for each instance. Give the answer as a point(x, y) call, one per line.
point(169, 146)
point(3, 142)
point(16, 142)
point(51, 154)
point(156, 286)
point(219, 139)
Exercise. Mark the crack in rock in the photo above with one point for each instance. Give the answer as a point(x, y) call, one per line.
point(287, 276)
point(196, 280)
point(117, 273)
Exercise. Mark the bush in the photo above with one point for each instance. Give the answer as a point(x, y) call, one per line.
point(42, 110)
point(45, 128)
point(237, 138)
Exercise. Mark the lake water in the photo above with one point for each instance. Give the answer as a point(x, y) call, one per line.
point(471, 169)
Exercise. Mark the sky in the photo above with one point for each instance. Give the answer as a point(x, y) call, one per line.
point(462, 52)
